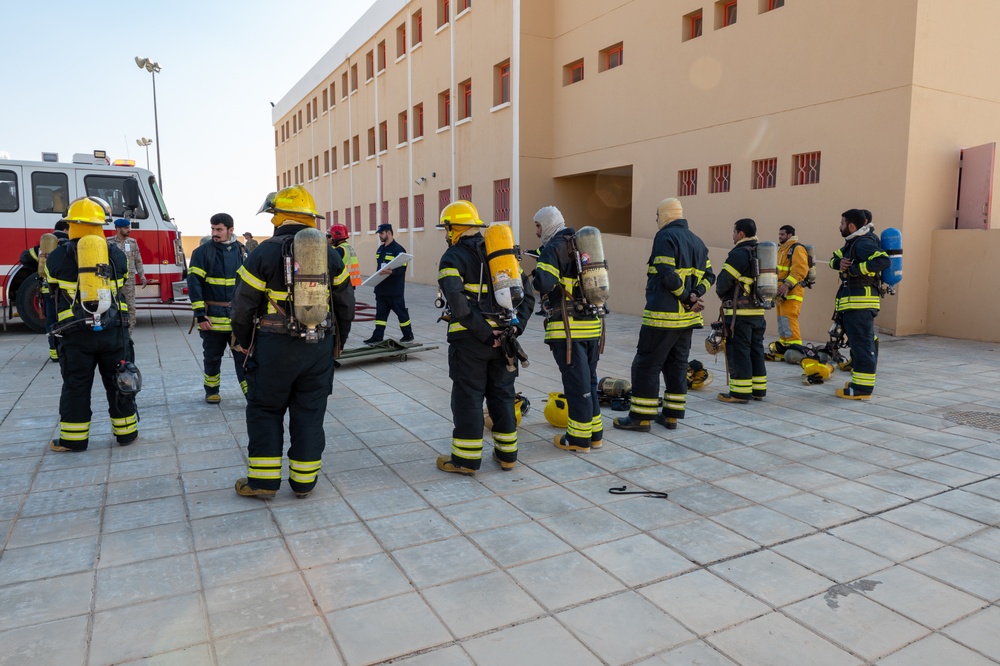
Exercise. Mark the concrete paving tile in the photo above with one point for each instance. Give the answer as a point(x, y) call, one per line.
point(48, 560)
point(744, 644)
point(703, 541)
point(751, 459)
point(587, 527)
point(442, 562)
point(755, 487)
point(404, 452)
point(25, 604)
point(961, 569)
point(382, 503)
point(970, 505)
point(519, 479)
point(146, 580)
point(863, 498)
point(697, 653)
point(703, 602)
point(920, 598)
point(833, 558)
point(460, 604)
point(815, 510)
point(763, 525)
point(886, 539)
point(945, 474)
point(331, 544)
point(232, 529)
point(222, 478)
point(664, 451)
point(972, 462)
point(193, 655)
point(455, 489)
point(979, 632)
point(623, 628)
point(255, 559)
point(309, 640)
point(483, 514)
point(146, 543)
point(13, 485)
point(144, 468)
point(448, 656)
point(707, 499)
point(707, 469)
point(647, 515)
point(935, 523)
point(567, 468)
point(542, 641)
point(988, 488)
point(933, 651)
point(564, 580)
point(617, 460)
point(597, 489)
point(844, 466)
point(142, 630)
point(59, 642)
point(360, 631)
point(848, 620)
point(791, 450)
point(516, 544)
point(550, 501)
point(68, 499)
point(771, 578)
point(135, 490)
point(638, 559)
point(257, 603)
point(985, 543)
point(147, 513)
point(411, 529)
point(54, 527)
point(363, 480)
point(312, 515)
point(356, 581)
point(657, 477)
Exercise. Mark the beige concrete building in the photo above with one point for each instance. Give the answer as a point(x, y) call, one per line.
point(786, 111)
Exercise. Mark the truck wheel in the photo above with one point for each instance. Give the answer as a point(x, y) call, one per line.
point(30, 307)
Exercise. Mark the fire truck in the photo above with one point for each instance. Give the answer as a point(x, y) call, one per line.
point(35, 195)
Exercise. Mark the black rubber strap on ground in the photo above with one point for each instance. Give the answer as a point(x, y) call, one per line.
point(644, 493)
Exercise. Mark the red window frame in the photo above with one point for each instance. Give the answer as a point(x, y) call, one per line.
point(505, 83)
point(372, 219)
point(357, 219)
point(444, 198)
point(467, 100)
point(347, 218)
point(336, 217)
point(719, 176)
point(774, 4)
point(576, 72)
point(383, 135)
point(445, 12)
point(447, 108)
point(418, 211)
point(465, 192)
point(806, 167)
point(418, 121)
point(729, 13)
point(501, 200)
point(401, 46)
point(404, 126)
point(418, 32)
point(614, 57)
point(463, 5)
point(696, 24)
point(687, 182)
point(404, 212)
point(765, 174)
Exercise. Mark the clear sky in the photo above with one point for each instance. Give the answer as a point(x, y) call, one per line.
point(70, 85)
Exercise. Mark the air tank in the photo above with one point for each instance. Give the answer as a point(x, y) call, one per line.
point(593, 269)
point(767, 272)
point(46, 244)
point(310, 282)
point(892, 244)
point(94, 291)
point(505, 272)
point(811, 273)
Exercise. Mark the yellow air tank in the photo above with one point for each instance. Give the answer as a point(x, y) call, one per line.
point(94, 292)
point(593, 269)
point(46, 244)
point(504, 269)
point(310, 282)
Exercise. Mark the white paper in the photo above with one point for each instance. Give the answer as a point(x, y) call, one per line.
point(375, 279)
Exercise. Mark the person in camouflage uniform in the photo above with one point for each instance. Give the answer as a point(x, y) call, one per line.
point(123, 229)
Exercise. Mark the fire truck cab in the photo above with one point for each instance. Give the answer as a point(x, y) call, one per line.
point(35, 195)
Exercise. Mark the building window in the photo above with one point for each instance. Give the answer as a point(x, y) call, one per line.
point(310, 163)
point(357, 219)
point(573, 72)
point(372, 219)
point(347, 219)
point(354, 77)
point(347, 153)
point(444, 109)
point(765, 173)
point(371, 142)
point(465, 192)
point(356, 149)
point(418, 27)
point(725, 13)
point(463, 5)
point(333, 95)
point(444, 7)
point(418, 211)
point(343, 86)
point(501, 200)
point(691, 26)
point(308, 113)
point(501, 83)
point(369, 65)
point(315, 109)
point(465, 89)
point(444, 198)
point(401, 40)
point(404, 212)
point(275, 138)
point(282, 133)
point(805, 169)
point(612, 57)
point(383, 136)
point(719, 178)
point(326, 100)
point(295, 124)
point(385, 212)
point(402, 124)
point(336, 217)
point(769, 5)
point(687, 182)
point(333, 158)
point(418, 120)
point(296, 175)
point(301, 126)
point(316, 165)
point(381, 56)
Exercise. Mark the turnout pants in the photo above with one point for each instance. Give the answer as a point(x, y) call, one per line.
point(478, 371)
point(287, 374)
point(79, 354)
point(213, 344)
point(397, 305)
point(860, 328)
point(745, 353)
point(579, 380)
point(788, 320)
point(660, 351)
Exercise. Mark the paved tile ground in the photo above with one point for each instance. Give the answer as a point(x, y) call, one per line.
point(800, 530)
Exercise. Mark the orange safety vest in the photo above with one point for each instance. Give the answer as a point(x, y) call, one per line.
point(353, 267)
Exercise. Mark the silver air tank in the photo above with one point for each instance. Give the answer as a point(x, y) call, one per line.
point(767, 272)
point(310, 283)
point(593, 269)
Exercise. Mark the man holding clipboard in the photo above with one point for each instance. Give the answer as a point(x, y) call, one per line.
point(389, 295)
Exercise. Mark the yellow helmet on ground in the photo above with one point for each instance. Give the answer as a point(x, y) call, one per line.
point(815, 371)
point(291, 203)
point(88, 210)
point(457, 218)
point(557, 410)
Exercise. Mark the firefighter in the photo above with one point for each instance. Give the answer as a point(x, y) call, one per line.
point(30, 259)
point(389, 294)
point(678, 275)
point(859, 262)
point(211, 283)
point(89, 337)
point(477, 364)
point(557, 280)
point(793, 268)
point(123, 229)
point(338, 235)
point(286, 372)
point(744, 318)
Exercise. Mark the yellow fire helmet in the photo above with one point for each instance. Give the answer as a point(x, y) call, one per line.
point(557, 410)
point(291, 204)
point(457, 218)
point(88, 210)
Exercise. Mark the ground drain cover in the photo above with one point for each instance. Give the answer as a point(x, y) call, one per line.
point(984, 420)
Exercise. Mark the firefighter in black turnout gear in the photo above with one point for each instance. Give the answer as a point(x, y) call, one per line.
point(557, 280)
point(477, 336)
point(211, 282)
point(293, 301)
point(389, 294)
point(30, 259)
point(90, 325)
point(743, 315)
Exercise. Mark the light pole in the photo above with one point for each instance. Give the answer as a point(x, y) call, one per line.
point(145, 143)
point(153, 68)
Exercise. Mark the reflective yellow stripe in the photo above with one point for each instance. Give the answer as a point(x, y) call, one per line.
point(251, 279)
point(669, 261)
point(200, 272)
point(548, 268)
point(448, 272)
point(221, 282)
